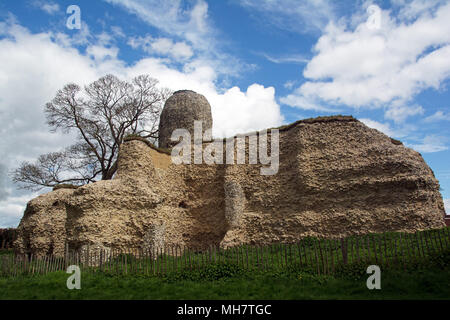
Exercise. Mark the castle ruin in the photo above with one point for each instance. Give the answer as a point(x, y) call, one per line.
point(336, 177)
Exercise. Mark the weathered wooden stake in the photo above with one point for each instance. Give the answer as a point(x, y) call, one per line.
point(344, 251)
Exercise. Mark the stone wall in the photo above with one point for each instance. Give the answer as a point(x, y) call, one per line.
point(336, 177)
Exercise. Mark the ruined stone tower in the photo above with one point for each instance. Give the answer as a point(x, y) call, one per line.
point(180, 112)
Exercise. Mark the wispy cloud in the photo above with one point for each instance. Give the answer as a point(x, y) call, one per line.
point(292, 59)
point(187, 24)
point(289, 84)
point(164, 46)
point(398, 111)
point(191, 24)
point(438, 116)
point(430, 144)
point(292, 15)
point(48, 7)
point(382, 127)
point(295, 100)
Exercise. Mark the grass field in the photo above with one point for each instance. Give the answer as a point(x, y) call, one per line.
point(424, 284)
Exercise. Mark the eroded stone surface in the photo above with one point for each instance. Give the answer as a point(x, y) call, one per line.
point(336, 177)
point(180, 111)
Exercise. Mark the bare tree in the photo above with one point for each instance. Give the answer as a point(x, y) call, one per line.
point(102, 114)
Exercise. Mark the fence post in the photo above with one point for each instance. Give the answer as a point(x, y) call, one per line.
point(352, 254)
point(447, 230)
point(246, 255)
point(408, 240)
point(441, 231)
point(395, 248)
point(421, 244)
point(285, 255)
point(66, 253)
point(101, 260)
point(426, 243)
point(440, 241)
point(87, 256)
point(210, 254)
point(299, 253)
point(368, 247)
point(432, 244)
point(374, 248)
point(47, 264)
point(401, 252)
point(324, 266)
point(417, 243)
point(174, 259)
point(257, 257)
point(330, 249)
point(357, 249)
point(237, 256)
point(317, 259)
point(344, 250)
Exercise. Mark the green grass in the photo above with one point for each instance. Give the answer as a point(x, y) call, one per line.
point(424, 284)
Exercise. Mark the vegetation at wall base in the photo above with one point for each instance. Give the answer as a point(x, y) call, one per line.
point(412, 267)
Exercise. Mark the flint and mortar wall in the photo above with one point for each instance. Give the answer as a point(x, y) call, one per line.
point(336, 177)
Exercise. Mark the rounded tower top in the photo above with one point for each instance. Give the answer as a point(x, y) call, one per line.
point(180, 111)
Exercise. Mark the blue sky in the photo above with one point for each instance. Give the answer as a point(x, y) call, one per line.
point(260, 63)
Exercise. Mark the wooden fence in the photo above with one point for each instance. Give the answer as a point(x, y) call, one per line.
point(321, 256)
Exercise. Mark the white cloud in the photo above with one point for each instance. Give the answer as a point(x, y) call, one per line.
point(426, 144)
point(34, 66)
point(11, 209)
point(289, 84)
point(82, 37)
point(162, 46)
point(293, 15)
point(383, 127)
point(100, 53)
point(364, 67)
point(294, 59)
point(118, 32)
point(3, 179)
point(404, 131)
point(296, 100)
point(49, 7)
point(438, 116)
point(430, 143)
point(411, 9)
point(190, 29)
point(256, 100)
point(172, 18)
point(447, 206)
point(399, 113)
